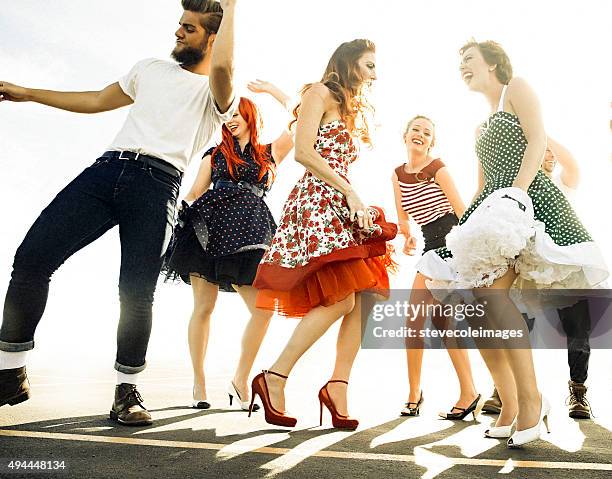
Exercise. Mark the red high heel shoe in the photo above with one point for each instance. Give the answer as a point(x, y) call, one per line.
point(339, 421)
point(259, 387)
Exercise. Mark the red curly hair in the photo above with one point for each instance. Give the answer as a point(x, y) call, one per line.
point(248, 110)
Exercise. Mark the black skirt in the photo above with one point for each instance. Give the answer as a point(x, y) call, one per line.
point(434, 233)
point(185, 257)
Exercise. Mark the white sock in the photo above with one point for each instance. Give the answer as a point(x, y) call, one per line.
point(13, 360)
point(127, 378)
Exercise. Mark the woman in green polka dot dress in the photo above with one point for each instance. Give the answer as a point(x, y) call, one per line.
point(519, 231)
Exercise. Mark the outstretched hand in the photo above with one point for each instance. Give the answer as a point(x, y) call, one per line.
point(10, 92)
point(261, 86)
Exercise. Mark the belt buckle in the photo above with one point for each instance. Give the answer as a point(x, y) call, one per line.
point(259, 192)
point(121, 157)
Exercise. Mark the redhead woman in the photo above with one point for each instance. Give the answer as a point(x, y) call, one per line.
point(224, 233)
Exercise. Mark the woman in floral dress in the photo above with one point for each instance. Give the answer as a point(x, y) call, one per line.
point(328, 247)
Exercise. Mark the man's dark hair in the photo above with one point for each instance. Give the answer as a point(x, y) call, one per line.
point(211, 13)
point(202, 6)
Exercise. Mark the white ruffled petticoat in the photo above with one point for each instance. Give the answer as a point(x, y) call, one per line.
point(502, 233)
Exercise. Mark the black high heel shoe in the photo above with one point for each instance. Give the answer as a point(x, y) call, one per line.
point(412, 410)
point(457, 416)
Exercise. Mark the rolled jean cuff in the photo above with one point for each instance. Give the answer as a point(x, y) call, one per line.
point(16, 347)
point(129, 369)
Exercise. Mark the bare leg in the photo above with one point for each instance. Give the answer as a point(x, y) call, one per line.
point(252, 338)
point(497, 363)
point(463, 368)
point(312, 326)
point(459, 357)
point(347, 347)
point(414, 359)
point(204, 299)
point(519, 362)
point(461, 362)
point(414, 350)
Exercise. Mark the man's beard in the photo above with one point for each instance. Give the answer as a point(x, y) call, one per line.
point(188, 56)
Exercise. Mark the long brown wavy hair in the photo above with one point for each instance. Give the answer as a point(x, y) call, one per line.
point(347, 86)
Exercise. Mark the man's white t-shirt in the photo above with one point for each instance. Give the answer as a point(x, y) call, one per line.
point(174, 114)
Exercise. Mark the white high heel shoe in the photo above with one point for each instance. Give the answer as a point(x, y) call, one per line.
point(500, 432)
point(520, 438)
point(199, 403)
point(244, 405)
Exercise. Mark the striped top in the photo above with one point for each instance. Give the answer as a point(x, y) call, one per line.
point(422, 197)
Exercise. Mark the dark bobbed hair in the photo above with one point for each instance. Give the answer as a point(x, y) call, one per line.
point(493, 54)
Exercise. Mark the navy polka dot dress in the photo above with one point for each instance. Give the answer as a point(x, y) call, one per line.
point(223, 235)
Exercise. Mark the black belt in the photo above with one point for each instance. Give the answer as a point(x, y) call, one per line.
point(520, 205)
point(145, 159)
point(243, 185)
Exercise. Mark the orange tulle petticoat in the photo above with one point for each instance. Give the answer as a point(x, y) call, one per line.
point(330, 278)
point(331, 283)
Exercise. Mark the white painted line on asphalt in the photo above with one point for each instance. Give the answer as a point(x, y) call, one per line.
point(364, 456)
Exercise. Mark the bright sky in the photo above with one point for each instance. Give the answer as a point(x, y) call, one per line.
point(560, 47)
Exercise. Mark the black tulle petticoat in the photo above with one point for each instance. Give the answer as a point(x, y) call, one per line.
point(185, 257)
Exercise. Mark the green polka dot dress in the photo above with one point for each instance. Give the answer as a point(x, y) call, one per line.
point(556, 249)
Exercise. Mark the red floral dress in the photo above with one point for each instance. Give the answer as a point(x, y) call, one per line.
point(318, 256)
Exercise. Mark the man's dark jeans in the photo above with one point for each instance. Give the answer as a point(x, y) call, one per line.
point(576, 322)
point(141, 200)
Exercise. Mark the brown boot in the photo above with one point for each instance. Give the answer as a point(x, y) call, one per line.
point(127, 407)
point(493, 405)
point(579, 407)
point(14, 386)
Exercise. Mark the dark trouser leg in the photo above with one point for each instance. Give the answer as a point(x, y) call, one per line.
point(146, 214)
point(78, 215)
point(576, 322)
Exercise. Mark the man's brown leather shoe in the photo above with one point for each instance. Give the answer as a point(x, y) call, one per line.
point(127, 407)
point(493, 405)
point(579, 407)
point(14, 386)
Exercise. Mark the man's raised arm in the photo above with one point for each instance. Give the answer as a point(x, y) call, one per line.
point(222, 61)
